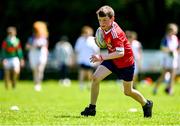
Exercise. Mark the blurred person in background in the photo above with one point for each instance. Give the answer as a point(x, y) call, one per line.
point(12, 57)
point(178, 69)
point(169, 47)
point(37, 46)
point(64, 55)
point(137, 52)
point(85, 46)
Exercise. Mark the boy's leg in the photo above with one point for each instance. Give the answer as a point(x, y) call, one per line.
point(100, 73)
point(159, 81)
point(135, 80)
point(89, 77)
point(6, 78)
point(169, 89)
point(14, 78)
point(81, 78)
point(136, 95)
point(37, 86)
point(129, 91)
point(15, 74)
point(41, 69)
point(39, 74)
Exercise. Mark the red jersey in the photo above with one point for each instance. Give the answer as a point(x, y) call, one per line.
point(114, 38)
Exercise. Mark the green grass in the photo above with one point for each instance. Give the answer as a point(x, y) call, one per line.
point(60, 105)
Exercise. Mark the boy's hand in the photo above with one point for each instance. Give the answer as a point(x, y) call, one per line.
point(22, 63)
point(96, 58)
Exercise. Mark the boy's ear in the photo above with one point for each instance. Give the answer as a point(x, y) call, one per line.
point(113, 18)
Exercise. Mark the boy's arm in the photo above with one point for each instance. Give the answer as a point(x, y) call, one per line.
point(20, 55)
point(117, 54)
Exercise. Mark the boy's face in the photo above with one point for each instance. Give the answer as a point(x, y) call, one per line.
point(105, 22)
point(172, 32)
point(11, 32)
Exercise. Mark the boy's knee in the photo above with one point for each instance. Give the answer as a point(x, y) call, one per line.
point(127, 93)
point(95, 79)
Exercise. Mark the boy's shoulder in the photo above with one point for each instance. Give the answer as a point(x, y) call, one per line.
point(117, 31)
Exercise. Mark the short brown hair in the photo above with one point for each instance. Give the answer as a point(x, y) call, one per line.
point(105, 11)
point(87, 30)
point(11, 29)
point(131, 34)
point(172, 27)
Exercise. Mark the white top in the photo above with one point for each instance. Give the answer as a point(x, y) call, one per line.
point(170, 42)
point(136, 47)
point(38, 52)
point(64, 52)
point(85, 47)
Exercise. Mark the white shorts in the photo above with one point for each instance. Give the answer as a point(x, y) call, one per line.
point(136, 70)
point(36, 58)
point(12, 64)
point(170, 62)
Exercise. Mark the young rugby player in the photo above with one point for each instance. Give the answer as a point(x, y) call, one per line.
point(85, 46)
point(169, 47)
point(119, 60)
point(12, 57)
point(37, 46)
point(137, 51)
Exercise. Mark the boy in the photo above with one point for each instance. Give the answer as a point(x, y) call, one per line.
point(137, 51)
point(119, 60)
point(85, 46)
point(12, 57)
point(169, 47)
point(37, 46)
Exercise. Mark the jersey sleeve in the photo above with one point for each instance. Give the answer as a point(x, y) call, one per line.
point(163, 42)
point(3, 46)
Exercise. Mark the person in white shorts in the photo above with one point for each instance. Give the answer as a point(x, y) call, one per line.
point(137, 52)
point(169, 47)
point(38, 52)
point(12, 56)
point(85, 46)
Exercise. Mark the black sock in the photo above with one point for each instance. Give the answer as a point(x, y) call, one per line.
point(146, 103)
point(92, 106)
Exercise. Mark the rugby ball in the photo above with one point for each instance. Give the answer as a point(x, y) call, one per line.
point(99, 38)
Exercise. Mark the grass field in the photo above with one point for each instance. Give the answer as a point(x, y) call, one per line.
point(60, 105)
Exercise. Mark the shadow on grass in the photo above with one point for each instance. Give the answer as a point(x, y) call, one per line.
point(67, 116)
